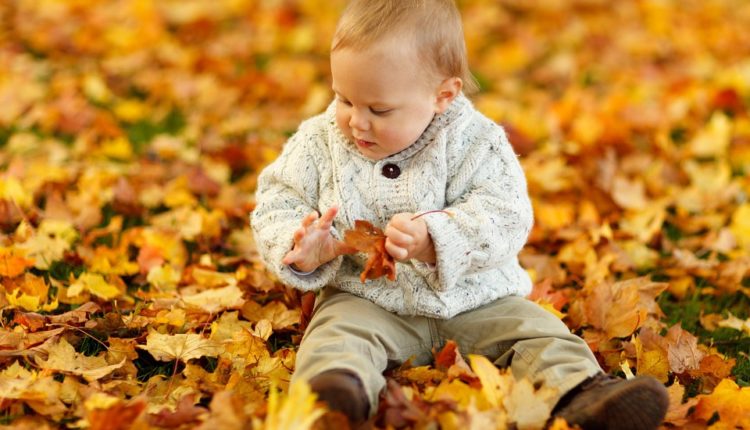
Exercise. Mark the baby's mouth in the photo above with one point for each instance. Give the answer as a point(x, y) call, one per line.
point(363, 143)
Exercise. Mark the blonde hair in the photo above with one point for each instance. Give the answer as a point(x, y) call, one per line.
point(435, 25)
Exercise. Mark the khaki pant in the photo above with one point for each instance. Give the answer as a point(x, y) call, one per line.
point(351, 333)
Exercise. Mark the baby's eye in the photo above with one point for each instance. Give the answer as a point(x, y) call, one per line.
point(380, 111)
point(346, 102)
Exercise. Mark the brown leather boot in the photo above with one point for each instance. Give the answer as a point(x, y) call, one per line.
point(606, 402)
point(343, 391)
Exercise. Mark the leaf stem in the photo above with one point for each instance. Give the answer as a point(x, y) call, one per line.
point(450, 214)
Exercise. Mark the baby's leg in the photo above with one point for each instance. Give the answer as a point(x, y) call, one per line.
point(351, 334)
point(516, 332)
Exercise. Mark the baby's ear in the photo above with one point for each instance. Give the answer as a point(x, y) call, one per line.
point(448, 90)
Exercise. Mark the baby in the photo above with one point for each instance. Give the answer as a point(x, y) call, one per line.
point(401, 139)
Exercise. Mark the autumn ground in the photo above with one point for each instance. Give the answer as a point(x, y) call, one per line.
point(132, 132)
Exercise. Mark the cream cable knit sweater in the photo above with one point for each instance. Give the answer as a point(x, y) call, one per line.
point(462, 162)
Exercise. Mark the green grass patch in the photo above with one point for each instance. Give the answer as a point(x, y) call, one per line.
point(733, 343)
point(149, 367)
point(142, 132)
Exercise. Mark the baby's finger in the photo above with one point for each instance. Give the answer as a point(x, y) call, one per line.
point(289, 258)
point(299, 234)
point(309, 219)
point(398, 237)
point(395, 251)
point(326, 220)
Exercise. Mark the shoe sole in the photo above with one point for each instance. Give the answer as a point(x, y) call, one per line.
point(640, 404)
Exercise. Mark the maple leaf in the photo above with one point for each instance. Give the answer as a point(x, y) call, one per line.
point(185, 413)
point(95, 284)
point(276, 312)
point(678, 411)
point(370, 239)
point(492, 381)
point(216, 299)
point(296, 411)
point(29, 292)
point(528, 407)
point(621, 308)
point(729, 401)
point(13, 262)
point(63, 357)
point(107, 412)
point(183, 347)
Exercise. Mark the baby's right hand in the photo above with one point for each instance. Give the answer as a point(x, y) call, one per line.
point(313, 243)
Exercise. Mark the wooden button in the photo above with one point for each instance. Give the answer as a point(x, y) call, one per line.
point(391, 171)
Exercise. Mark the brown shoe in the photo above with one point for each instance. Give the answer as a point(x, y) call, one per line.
point(344, 392)
point(606, 402)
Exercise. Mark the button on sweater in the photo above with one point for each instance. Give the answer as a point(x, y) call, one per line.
point(462, 163)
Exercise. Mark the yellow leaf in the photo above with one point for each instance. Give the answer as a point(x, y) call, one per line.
point(131, 110)
point(63, 357)
point(642, 256)
point(740, 226)
point(527, 407)
point(549, 307)
point(30, 293)
point(733, 322)
point(554, 215)
point(217, 299)
point(652, 361)
point(164, 277)
point(713, 141)
point(100, 400)
point(227, 325)
point(731, 402)
point(96, 89)
point(457, 391)
point(644, 224)
point(11, 189)
point(296, 411)
point(174, 317)
point(95, 284)
point(489, 376)
point(212, 278)
point(118, 148)
point(276, 312)
point(183, 347)
point(629, 193)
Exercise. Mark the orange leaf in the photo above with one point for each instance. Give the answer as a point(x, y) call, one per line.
point(120, 416)
point(370, 239)
point(186, 413)
point(728, 400)
point(13, 263)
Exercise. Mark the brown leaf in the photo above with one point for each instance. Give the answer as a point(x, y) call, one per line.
point(683, 350)
point(185, 413)
point(126, 198)
point(202, 184)
point(370, 239)
point(621, 308)
point(449, 360)
point(31, 320)
point(119, 416)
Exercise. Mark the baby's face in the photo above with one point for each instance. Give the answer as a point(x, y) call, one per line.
point(384, 97)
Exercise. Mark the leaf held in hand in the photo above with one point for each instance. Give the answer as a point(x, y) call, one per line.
point(370, 239)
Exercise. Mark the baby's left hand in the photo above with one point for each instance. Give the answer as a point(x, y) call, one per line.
point(409, 239)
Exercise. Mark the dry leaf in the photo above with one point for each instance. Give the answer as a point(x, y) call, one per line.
point(369, 239)
point(183, 347)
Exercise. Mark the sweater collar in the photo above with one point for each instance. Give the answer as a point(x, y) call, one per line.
point(458, 108)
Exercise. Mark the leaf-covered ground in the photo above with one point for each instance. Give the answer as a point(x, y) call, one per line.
point(132, 132)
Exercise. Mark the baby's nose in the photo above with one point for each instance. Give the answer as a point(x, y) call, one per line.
point(358, 122)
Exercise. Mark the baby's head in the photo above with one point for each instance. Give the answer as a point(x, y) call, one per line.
point(395, 64)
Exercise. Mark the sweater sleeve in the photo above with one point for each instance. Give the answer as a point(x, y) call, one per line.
point(492, 214)
point(287, 191)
